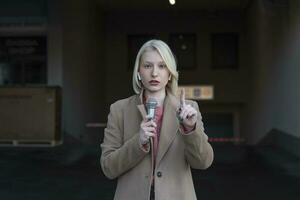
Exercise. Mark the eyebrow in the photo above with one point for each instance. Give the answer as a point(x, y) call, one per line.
point(162, 62)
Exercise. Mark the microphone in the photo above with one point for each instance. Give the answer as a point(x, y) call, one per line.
point(150, 106)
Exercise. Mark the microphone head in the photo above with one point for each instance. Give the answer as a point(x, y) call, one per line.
point(151, 103)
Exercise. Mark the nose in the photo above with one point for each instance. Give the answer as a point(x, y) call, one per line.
point(155, 71)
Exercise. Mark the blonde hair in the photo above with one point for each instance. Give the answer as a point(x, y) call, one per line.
point(169, 59)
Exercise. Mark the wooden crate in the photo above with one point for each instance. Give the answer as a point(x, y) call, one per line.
point(30, 115)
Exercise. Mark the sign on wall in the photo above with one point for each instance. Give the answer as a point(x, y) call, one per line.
point(198, 92)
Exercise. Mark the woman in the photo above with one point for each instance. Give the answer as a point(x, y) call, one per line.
point(152, 157)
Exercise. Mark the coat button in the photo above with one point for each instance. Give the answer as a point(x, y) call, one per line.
point(159, 174)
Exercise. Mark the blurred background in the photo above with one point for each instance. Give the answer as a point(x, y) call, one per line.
point(63, 62)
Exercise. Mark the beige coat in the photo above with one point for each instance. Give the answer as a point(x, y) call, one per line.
point(123, 158)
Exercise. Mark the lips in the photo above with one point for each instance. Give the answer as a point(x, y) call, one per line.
point(154, 82)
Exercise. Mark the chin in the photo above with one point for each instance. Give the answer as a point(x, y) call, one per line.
point(155, 89)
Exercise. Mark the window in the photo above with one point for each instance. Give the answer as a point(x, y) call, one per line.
point(23, 60)
point(224, 50)
point(184, 48)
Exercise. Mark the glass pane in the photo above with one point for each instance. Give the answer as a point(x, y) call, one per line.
point(4, 73)
point(23, 60)
point(35, 73)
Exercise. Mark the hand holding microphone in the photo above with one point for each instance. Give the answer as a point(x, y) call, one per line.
point(148, 126)
point(147, 130)
point(187, 114)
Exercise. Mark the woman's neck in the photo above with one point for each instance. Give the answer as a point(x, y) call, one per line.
point(159, 96)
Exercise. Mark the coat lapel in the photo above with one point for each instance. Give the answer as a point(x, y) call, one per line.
point(169, 126)
point(132, 119)
point(141, 106)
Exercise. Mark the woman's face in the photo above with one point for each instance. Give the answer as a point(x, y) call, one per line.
point(153, 71)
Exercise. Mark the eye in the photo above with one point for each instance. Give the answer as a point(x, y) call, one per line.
point(162, 66)
point(147, 66)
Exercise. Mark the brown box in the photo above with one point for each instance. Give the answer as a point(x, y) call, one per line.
point(30, 114)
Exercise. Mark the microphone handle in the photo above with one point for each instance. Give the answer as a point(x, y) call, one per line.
point(150, 114)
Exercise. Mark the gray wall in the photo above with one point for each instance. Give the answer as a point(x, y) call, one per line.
point(274, 54)
point(83, 66)
point(55, 43)
point(287, 94)
point(266, 24)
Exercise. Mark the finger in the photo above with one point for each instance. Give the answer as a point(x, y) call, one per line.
point(153, 123)
point(182, 97)
point(149, 134)
point(150, 129)
point(184, 111)
point(191, 114)
point(191, 111)
point(150, 123)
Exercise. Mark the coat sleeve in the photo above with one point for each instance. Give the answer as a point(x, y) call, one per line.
point(119, 156)
point(198, 152)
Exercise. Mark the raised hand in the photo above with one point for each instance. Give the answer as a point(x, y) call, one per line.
point(187, 114)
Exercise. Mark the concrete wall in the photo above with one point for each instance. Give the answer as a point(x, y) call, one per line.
point(274, 47)
point(260, 40)
point(55, 43)
point(288, 94)
point(83, 66)
point(20, 8)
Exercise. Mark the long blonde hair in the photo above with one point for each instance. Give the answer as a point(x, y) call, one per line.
point(169, 59)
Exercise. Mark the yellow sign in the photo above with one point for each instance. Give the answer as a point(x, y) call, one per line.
point(198, 92)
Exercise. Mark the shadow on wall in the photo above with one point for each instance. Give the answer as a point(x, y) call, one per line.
point(282, 140)
point(280, 151)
